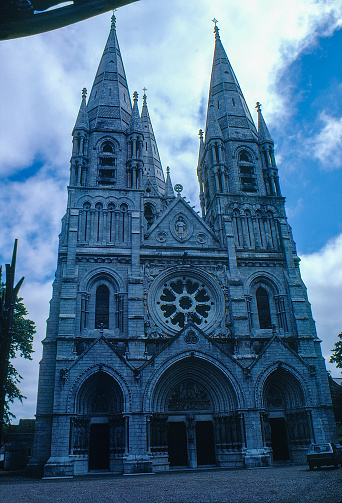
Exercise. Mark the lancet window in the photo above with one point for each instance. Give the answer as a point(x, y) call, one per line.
point(263, 307)
point(266, 307)
point(102, 307)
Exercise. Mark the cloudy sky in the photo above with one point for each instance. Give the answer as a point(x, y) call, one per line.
point(287, 55)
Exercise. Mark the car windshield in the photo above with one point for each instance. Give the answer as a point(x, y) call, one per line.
point(321, 448)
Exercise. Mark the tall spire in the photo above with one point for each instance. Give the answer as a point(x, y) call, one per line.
point(263, 133)
point(135, 125)
point(152, 165)
point(109, 105)
point(227, 98)
point(82, 122)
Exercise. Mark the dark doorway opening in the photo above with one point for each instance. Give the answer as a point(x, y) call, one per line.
point(177, 442)
point(279, 439)
point(205, 445)
point(99, 447)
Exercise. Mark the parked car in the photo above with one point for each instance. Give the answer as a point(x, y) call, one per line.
point(324, 455)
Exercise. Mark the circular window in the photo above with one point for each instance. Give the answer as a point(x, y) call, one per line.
point(177, 299)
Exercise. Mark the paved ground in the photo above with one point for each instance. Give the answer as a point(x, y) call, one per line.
point(290, 484)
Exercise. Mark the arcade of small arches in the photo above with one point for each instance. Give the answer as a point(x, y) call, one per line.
point(194, 416)
point(255, 229)
point(100, 225)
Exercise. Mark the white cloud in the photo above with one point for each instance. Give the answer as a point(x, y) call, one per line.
point(327, 144)
point(166, 47)
point(322, 274)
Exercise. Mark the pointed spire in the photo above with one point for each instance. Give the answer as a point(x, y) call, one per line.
point(152, 165)
point(227, 98)
point(213, 131)
point(109, 104)
point(263, 133)
point(169, 192)
point(135, 125)
point(82, 122)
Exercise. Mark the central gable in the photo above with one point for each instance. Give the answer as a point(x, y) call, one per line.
point(180, 225)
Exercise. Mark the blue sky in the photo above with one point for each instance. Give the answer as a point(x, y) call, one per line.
point(313, 83)
point(285, 55)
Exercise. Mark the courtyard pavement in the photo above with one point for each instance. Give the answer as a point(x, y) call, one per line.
point(284, 484)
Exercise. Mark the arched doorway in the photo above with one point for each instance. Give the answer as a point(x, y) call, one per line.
point(98, 427)
point(286, 422)
point(195, 418)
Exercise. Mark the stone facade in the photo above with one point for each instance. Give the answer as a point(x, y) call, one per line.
point(175, 339)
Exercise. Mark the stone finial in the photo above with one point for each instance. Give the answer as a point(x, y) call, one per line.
point(135, 96)
point(84, 93)
point(200, 134)
point(258, 106)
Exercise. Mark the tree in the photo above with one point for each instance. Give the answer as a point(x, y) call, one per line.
point(336, 356)
point(16, 335)
point(22, 344)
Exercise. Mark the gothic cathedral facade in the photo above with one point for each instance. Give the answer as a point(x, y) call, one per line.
point(176, 339)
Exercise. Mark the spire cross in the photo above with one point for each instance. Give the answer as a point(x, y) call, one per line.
point(258, 106)
point(216, 30)
point(114, 19)
point(144, 96)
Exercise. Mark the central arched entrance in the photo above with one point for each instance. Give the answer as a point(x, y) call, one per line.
point(98, 427)
point(195, 420)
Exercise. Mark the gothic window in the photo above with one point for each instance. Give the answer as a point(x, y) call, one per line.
point(246, 171)
point(263, 307)
point(102, 307)
point(107, 164)
point(182, 300)
point(149, 214)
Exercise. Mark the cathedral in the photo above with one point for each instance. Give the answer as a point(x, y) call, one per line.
point(174, 339)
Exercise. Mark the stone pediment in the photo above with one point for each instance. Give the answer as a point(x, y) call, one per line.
point(284, 353)
point(193, 340)
point(179, 225)
point(100, 352)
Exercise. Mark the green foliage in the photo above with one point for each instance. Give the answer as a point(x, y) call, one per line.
point(336, 356)
point(22, 345)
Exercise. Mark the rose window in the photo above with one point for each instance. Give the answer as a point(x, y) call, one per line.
point(182, 300)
